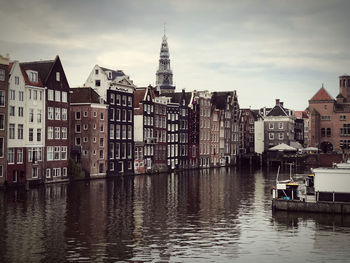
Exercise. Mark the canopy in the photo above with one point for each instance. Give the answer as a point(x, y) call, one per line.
point(283, 147)
point(310, 149)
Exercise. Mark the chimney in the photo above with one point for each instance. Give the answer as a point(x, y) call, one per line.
point(277, 102)
point(281, 103)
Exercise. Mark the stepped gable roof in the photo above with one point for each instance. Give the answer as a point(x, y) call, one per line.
point(278, 110)
point(84, 95)
point(115, 73)
point(43, 67)
point(322, 95)
point(219, 99)
point(27, 80)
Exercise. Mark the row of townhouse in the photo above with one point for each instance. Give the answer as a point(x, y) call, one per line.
point(34, 122)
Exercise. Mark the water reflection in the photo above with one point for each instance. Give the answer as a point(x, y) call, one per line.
point(201, 215)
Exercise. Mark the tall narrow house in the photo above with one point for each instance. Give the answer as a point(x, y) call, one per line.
point(53, 78)
point(4, 78)
point(164, 75)
point(117, 89)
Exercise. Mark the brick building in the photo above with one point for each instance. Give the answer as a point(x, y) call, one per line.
point(88, 136)
point(160, 133)
point(4, 80)
point(329, 123)
point(204, 98)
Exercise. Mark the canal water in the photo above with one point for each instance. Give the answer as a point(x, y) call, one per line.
point(219, 215)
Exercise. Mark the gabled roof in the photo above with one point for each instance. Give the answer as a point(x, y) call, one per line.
point(322, 95)
point(27, 80)
point(176, 97)
point(340, 96)
point(115, 73)
point(43, 67)
point(139, 95)
point(278, 110)
point(84, 95)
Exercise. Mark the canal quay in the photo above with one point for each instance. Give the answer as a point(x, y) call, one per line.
point(209, 215)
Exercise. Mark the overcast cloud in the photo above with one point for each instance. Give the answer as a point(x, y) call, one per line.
point(263, 49)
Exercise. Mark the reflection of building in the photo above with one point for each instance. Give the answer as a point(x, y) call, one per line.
point(88, 136)
point(4, 78)
point(329, 124)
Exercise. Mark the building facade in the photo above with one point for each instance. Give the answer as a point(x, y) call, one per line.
point(88, 131)
point(4, 80)
point(160, 133)
point(204, 132)
point(55, 156)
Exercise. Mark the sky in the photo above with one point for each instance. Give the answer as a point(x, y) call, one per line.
point(263, 49)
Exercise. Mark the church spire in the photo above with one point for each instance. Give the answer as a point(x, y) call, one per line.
point(164, 75)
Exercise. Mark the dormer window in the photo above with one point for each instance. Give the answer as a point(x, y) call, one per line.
point(110, 75)
point(58, 77)
point(96, 71)
point(33, 76)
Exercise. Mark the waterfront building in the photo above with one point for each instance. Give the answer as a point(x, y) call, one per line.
point(117, 89)
point(193, 130)
point(248, 118)
point(204, 98)
point(160, 133)
point(4, 80)
point(229, 133)
point(173, 110)
point(56, 120)
point(276, 126)
point(329, 124)
point(88, 135)
point(144, 127)
point(164, 75)
point(215, 136)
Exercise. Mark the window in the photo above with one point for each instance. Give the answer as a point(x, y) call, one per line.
point(77, 115)
point(111, 131)
point(85, 127)
point(342, 117)
point(129, 101)
point(50, 113)
point(38, 114)
point(35, 94)
point(270, 126)
point(20, 132)
point(97, 83)
point(271, 136)
point(129, 132)
point(85, 113)
point(57, 132)
point(56, 154)
point(1, 147)
point(49, 153)
point(101, 142)
point(85, 139)
point(325, 118)
point(123, 100)
point(12, 111)
point(117, 99)
point(117, 131)
point(11, 155)
point(123, 131)
point(64, 133)
point(95, 114)
point(38, 135)
point(57, 95)
point(102, 115)
point(64, 114)
point(12, 94)
point(101, 128)
point(33, 76)
point(77, 140)
point(64, 171)
point(48, 173)
point(19, 155)
point(57, 113)
point(101, 154)
point(20, 96)
point(77, 128)
point(96, 71)
point(31, 134)
point(20, 111)
point(111, 150)
point(280, 125)
point(58, 77)
point(2, 121)
point(117, 115)
point(35, 172)
point(11, 131)
point(50, 133)
point(2, 74)
point(64, 96)
point(329, 132)
point(63, 152)
point(111, 114)
point(2, 97)
point(281, 136)
point(50, 95)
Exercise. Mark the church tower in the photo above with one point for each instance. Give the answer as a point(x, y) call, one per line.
point(164, 75)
